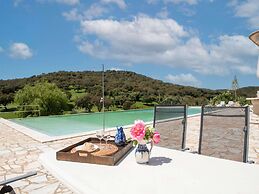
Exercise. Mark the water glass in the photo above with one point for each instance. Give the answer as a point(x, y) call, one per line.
point(107, 137)
point(99, 135)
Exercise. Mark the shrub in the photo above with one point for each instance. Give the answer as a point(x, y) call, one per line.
point(50, 99)
point(225, 96)
point(85, 102)
point(228, 96)
point(6, 99)
point(139, 105)
point(127, 105)
point(242, 101)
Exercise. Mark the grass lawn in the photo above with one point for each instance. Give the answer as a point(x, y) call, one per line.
point(8, 115)
point(76, 94)
point(139, 105)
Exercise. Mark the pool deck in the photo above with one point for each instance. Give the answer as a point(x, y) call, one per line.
point(19, 153)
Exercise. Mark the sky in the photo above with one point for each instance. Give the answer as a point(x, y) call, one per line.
point(201, 43)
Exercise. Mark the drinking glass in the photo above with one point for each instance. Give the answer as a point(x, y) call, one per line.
point(107, 138)
point(99, 135)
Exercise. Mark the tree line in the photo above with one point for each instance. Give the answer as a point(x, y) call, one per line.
point(123, 90)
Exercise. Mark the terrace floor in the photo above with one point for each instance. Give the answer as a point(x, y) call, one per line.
point(19, 154)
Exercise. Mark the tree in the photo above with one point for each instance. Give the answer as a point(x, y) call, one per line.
point(235, 86)
point(172, 100)
point(85, 102)
point(50, 99)
point(119, 100)
point(148, 98)
point(98, 103)
point(68, 93)
point(127, 105)
point(108, 103)
point(224, 96)
point(6, 99)
point(96, 100)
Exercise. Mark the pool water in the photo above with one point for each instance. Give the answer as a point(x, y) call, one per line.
point(71, 124)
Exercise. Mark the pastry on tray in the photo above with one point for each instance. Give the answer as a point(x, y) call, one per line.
point(87, 147)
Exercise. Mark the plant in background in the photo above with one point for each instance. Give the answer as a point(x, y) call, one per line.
point(127, 105)
point(140, 132)
point(6, 99)
point(242, 101)
point(85, 102)
point(228, 96)
point(225, 96)
point(50, 99)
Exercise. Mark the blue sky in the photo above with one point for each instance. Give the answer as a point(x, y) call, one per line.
point(202, 43)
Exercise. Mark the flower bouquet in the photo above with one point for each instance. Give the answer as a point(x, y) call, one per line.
point(141, 135)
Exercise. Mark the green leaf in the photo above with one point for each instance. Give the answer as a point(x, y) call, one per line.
point(135, 142)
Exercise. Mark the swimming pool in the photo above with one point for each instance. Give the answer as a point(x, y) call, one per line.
point(78, 123)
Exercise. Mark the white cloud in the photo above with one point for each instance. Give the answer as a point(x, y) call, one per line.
point(152, 1)
point(120, 3)
point(72, 15)
point(165, 42)
point(116, 69)
point(245, 69)
point(187, 11)
point(140, 32)
point(20, 51)
point(183, 79)
point(66, 2)
point(190, 2)
point(1, 49)
point(163, 13)
point(94, 11)
point(248, 9)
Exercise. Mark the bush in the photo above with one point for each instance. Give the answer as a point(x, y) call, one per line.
point(85, 102)
point(139, 105)
point(6, 99)
point(99, 105)
point(225, 96)
point(70, 106)
point(175, 100)
point(50, 99)
point(242, 101)
point(127, 105)
point(96, 100)
point(228, 96)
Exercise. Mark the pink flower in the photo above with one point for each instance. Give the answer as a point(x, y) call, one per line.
point(156, 137)
point(138, 131)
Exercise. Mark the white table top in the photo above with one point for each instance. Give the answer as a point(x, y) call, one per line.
point(169, 172)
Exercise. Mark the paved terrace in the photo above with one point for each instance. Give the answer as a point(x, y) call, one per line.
point(19, 154)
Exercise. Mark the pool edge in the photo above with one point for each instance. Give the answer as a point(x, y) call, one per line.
point(43, 138)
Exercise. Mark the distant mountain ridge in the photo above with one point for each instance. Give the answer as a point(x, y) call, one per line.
point(126, 84)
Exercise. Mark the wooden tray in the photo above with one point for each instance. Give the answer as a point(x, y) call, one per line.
point(79, 156)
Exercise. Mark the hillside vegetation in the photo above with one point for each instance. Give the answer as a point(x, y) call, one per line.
point(248, 91)
point(120, 85)
point(123, 90)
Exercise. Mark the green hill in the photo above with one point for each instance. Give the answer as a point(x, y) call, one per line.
point(248, 91)
point(120, 85)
